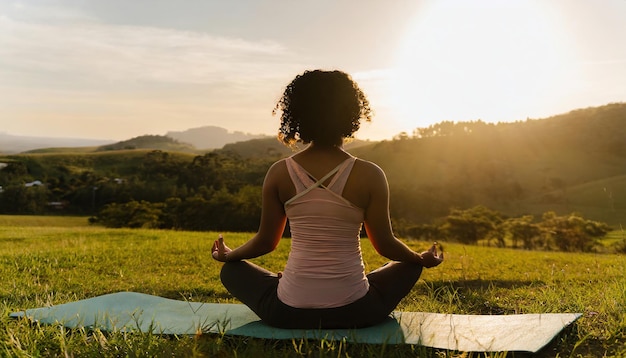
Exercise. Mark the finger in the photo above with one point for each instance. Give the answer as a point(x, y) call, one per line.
point(433, 249)
point(220, 244)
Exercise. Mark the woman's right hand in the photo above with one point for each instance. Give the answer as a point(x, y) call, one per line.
point(431, 258)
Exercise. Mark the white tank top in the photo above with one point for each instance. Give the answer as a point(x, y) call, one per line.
point(325, 267)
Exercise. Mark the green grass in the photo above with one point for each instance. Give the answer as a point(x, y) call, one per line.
point(38, 221)
point(52, 260)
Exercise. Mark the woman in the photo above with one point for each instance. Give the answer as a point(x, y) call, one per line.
point(327, 194)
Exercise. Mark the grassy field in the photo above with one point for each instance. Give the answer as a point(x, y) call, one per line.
point(53, 260)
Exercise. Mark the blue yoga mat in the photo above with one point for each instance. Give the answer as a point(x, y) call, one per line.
point(131, 311)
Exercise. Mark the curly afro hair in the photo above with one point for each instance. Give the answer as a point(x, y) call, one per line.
point(322, 107)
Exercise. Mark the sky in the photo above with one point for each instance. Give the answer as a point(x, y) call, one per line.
point(118, 69)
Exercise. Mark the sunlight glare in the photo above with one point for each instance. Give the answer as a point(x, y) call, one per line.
point(468, 60)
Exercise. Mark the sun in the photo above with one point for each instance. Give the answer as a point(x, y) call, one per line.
point(469, 60)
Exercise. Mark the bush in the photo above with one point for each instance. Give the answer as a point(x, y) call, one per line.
point(133, 214)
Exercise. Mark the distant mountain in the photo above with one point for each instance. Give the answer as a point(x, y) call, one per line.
point(17, 144)
point(194, 139)
point(211, 137)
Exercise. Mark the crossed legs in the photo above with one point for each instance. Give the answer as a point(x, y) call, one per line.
point(256, 288)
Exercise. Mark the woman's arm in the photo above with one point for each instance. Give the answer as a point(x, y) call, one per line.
point(273, 220)
point(378, 225)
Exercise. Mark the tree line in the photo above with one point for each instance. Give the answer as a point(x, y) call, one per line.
point(479, 224)
point(216, 190)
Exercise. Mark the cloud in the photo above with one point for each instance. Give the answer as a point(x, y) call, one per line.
point(96, 54)
point(79, 74)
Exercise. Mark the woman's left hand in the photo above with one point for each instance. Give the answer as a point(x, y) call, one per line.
point(431, 258)
point(220, 250)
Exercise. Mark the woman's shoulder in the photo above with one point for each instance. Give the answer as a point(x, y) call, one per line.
point(278, 177)
point(366, 165)
point(366, 169)
point(279, 166)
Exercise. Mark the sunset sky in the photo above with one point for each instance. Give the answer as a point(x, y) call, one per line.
point(116, 69)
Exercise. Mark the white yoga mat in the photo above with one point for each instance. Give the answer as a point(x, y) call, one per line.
point(129, 311)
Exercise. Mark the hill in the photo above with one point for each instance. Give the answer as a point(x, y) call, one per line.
point(191, 140)
point(64, 166)
point(155, 142)
point(573, 162)
point(211, 137)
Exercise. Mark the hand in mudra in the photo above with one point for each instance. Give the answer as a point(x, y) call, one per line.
point(220, 250)
point(431, 258)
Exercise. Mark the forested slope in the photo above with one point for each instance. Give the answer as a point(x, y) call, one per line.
point(570, 162)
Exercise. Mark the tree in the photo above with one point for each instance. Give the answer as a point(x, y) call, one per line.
point(19, 199)
point(204, 170)
point(422, 231)
point(160, 166)
point(192, 213)
point(133, 214)
point(572, 232)
point(248, 208)
point(523, 229)
point(469, 226)
point(15, 172)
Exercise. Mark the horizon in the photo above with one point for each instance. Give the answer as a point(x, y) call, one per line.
point(2, 132)
point(116, 70)
point(229, 131)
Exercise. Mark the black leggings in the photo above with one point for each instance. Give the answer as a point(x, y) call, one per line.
point(256, 287)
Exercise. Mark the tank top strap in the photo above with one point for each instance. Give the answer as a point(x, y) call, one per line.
point(300, 178)
point(299, 172)
point(339, 180)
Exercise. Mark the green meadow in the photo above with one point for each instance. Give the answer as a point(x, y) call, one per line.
point(46, 260)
